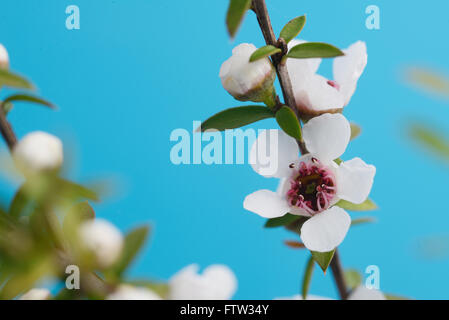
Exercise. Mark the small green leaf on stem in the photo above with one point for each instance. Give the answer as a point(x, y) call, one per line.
point(292, 29)
point(29, 98)
point(13, 80)
point(294, 244)
point(288, 121)
point(363, 220)
point(264, 52)
point(355, 131)
point(307, 277)
point(236, 13)
point(430, 139)
point(368, 205)
point(314, 50)
point(323, 258)
point(281, 221)
point(353, 278)
point(236, 117)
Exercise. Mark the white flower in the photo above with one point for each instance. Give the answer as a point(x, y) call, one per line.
point(314, 94)
point(38, 151)
point(246, 80)
point(310, 185)
point(127, 292)
point(36, 294)
point(103, 239)
point(217, 282)
point(4, 57)
point(363, 293)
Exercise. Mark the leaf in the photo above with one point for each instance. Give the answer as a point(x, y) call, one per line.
point(288, 121)
point(363, 220)
point(236, 13)
point(236, 117)
point(134, 241)
point(264, 52)
point(29, 98)
point(281, 221)
point(7, 107)
point(323, 258)
point(432, 140)
point(307, 277)
point(429, 80)
point(292, 29)
point(19, 203)
point(395, 297)
point(77, 191)
point(314, 50)
point(353, 278)
point(355, 131)
point(294, 244)
point(10, 79)
point(368, 205)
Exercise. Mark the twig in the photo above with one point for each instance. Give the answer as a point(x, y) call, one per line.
point(6, 130)
point(260, 9)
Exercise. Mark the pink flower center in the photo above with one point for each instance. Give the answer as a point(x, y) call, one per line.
point(312, 187)
point(334, 84)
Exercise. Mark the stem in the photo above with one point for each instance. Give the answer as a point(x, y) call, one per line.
point(260, 9)
point(6, 130)
point(337, 272)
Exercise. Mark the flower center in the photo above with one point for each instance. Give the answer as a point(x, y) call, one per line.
point(334, 84)
point(312, 187)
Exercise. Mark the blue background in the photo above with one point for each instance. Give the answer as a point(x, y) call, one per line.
point(138, 69)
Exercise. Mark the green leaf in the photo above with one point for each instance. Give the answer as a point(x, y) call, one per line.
point(29, 98)
point(363, 220)
point(10, 79)
point(395, 297)
point(368, 205)
point(236, 118)
point(323, 258)
point(430, 80)
point(307, 277)
point(134, 241)
point(353, 278)
point(76, 191)
point(19, 203)
point(430, 139)
point(281, 221)
point(314, 50)
point(288, 121)
point(236, 13)
point(7, 107)
point(355, 131)
point(264, 52)
point(293, 28)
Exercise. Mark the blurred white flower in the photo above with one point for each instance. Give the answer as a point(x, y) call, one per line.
point(314, 94)
point(310, 185)
point(36, 294)
point(38, 151)
point(363, 293)
point(127, 292)
point(217, 282)
point(4, 57)
point(244, 80)
point(103, 239)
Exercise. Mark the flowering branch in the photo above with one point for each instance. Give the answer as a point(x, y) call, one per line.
point(260, 9)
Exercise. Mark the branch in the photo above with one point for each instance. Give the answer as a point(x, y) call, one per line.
point(260, 9)
point(6, 130)
point(337, 271)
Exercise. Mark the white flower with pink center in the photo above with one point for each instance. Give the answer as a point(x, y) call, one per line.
point(314, 94)
point(312, 184)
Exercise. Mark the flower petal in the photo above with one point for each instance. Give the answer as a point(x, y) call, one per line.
point(266, 203)
point(363, 293)
point(272, 153)
point(326, 230)
point(327, 136)
point(349, 68)
point(355, 179)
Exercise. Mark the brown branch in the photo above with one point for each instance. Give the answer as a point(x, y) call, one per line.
point(6, 130)
point(260, 9)
point(337, 271)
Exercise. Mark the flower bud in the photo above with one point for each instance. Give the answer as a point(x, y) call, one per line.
point(245, 80)
point(127, 292)
point(36, 294)
point(103, 239)
point(38, 151)
point(4, 58)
